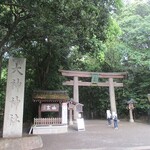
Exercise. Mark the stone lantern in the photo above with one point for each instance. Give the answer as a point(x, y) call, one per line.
point(131, 103)
point(74, 106)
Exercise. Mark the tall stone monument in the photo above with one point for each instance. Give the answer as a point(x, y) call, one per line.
point(13, 116)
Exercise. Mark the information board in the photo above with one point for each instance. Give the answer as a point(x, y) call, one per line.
point(80, 124)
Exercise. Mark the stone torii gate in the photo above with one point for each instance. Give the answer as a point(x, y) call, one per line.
point(94, 82)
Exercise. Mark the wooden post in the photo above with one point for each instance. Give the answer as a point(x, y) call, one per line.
point(75, 95)
point(39, 110)
point(112, 96)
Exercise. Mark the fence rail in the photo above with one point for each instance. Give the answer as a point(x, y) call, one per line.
point(47, 121)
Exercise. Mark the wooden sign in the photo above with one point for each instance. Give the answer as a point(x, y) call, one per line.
point(49, 107)
point(95, 78)
point(71, 106)
point(79, 107)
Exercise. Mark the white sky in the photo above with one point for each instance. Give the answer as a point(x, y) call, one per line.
point(133, 1)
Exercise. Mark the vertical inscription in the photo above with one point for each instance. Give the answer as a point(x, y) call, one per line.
point(15, 102)
point(13, 117)
point(16, 84)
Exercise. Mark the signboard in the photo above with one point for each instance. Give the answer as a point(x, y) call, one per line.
point(49, 107)
point(79, 108)
point(95, 78)
point(71, 106)
point(80, 124)
point(64, 113)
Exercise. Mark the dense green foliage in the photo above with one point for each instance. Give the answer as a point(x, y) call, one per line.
point(135, 48)
point(77, 35)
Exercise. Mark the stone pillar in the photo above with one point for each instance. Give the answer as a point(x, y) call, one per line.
point(112, 95)
point(76, 90)
point(64, 113)
point(70, 117)
point(131, 115)
point(13, 116)
point(75, 95)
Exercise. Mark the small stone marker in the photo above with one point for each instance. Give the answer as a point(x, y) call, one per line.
point(13, 116)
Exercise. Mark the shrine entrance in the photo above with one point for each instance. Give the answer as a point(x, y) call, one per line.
point(94, 82)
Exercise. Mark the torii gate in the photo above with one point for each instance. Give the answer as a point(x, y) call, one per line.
point(110, 83)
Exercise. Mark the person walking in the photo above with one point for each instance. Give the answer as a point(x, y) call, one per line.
point(109, 117)
point(115, 119)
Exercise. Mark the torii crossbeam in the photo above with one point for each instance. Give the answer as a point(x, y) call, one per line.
point(110, 83)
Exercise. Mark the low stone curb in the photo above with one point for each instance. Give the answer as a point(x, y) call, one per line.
point(22, 143)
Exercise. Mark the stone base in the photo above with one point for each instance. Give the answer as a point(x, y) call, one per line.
point(131, 120)
point(22, 143)
point(49, 129)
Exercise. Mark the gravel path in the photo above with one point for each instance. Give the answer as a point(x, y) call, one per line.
point(99, 136)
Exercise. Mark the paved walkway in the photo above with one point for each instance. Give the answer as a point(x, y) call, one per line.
point(99, 136)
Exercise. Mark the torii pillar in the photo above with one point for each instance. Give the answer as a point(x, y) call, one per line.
point(75, 95)
point(112, 96)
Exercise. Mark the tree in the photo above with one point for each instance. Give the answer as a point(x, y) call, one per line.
point(135, 25)
point(135, 49)
point(45, 31)
point(60, 26)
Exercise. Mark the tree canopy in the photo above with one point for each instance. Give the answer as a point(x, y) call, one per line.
point(89, 35)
